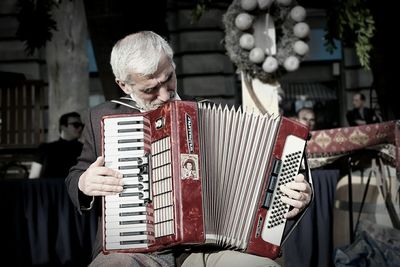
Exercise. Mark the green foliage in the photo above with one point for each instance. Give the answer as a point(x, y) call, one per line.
point(351, 22)
point(35, 23)
point(199, 10)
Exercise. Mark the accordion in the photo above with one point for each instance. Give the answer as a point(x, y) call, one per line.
point(199, 174)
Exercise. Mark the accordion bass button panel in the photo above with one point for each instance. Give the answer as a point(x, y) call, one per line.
point(127, 216)
point(283, 171)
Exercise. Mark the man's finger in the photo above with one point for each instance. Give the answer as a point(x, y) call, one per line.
point(299, 186)
point(299, 178)
point(292, 202)
point(104, 171)
point(292, 213)
point(99, 162)
point(290, 192)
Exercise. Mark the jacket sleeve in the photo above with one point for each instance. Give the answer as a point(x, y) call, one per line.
point(87, 157)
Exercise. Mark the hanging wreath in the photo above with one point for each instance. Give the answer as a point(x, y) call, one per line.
point(291, 37)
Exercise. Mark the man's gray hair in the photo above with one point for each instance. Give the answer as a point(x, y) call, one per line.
point(138, 53)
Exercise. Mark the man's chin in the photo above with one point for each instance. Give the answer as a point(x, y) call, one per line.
point(150, 107)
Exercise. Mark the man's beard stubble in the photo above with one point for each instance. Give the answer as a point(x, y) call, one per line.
point(155, 104)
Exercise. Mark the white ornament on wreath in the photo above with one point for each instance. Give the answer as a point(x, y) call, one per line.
point(298, 13)
point(243, 21)
point(247, 41)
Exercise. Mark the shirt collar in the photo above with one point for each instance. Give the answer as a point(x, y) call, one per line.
point(130, 101)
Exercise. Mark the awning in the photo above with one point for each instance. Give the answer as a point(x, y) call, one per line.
point(313, 90)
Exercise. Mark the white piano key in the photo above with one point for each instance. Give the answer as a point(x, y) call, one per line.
point(132, 228)
point(134, 172)
point(123, 204)
point(124, 148)
point(111, 246)
point(117, 211)
point(122, 139)
point(118, 239)
point(117, 159)
point(108, 145)
point(117, 198)
point(136, 180)
point(139, 118)
point(118, 226)
point(111, 126)
point(135, 219)
point(126, 153)
point(128, 135)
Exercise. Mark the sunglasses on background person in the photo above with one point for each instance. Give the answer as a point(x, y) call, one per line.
point(76, 124)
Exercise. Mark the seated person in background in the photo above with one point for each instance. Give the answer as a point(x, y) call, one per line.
point(360, 115)
point(53, 160)
point(306, 116)
point(144, 69)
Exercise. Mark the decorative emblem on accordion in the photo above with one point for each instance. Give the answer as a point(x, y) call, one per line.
point(196, 174)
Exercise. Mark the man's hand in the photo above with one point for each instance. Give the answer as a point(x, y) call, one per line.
point(98, 180)
point(297, 195)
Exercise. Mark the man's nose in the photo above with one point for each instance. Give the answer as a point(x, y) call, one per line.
point(164, 94)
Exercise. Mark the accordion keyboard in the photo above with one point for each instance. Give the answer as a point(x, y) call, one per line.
point(127, 217)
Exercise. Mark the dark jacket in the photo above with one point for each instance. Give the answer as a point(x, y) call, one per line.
point(369, 116)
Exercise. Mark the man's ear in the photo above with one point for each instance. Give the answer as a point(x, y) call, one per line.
point(126, 88)
point(62, 128)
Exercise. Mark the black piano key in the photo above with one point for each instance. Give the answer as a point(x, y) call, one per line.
point(133, 242)
point(130, 159)
point(139, 186)
point(133, 213)
point(133, 148)
point(132, 222)
point(133, 122)
point(130, 130)
point(135, 233)
point(134, 194)
point(131, 205)
point(131, 175)
point(129, 122)
point(125, 141)
point(144, 169)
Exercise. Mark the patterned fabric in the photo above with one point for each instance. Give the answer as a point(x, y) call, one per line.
point(326, 146)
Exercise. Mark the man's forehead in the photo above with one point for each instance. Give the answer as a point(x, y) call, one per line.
point(160, 72)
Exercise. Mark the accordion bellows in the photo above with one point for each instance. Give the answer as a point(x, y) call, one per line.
point(198, 174)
